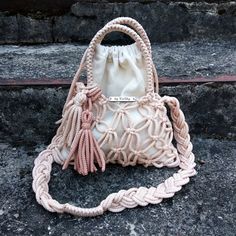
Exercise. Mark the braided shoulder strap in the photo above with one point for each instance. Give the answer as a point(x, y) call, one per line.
point(130, 198)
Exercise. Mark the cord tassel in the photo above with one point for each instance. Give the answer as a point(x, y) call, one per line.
point(71, 120)
point(85, 150)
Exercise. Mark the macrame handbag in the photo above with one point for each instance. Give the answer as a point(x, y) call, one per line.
point(117, 118)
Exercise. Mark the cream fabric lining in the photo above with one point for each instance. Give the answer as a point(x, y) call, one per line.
point(120, 70)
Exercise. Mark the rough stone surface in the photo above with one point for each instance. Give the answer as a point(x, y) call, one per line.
point(8, 29)
point(166, 21)
point(27, 115)
point(23, 29)
point(28, 112)
point(206, 206)
point(175, 60)
point(59, 7)
point(33, 30)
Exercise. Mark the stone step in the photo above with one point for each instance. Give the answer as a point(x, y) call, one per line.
point(28, 111)
point(176, 60)
point(28, 114)
point(205, 206)
point(77, 21)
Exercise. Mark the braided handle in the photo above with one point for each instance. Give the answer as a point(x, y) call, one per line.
point(135, 26)
point(133, 197)
point(140, 30)
point(99, 37)
point(142, 33)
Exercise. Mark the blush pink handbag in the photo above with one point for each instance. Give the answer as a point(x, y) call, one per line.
point(117, 117)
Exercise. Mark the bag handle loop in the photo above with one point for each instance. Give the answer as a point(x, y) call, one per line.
point(135, 26)
point(97, 39)
point(142, 33)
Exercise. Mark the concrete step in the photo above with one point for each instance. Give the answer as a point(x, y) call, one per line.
point(33, 22)
point(28, 115)
point(206, 206)
point(28, 110)
point(176, 60)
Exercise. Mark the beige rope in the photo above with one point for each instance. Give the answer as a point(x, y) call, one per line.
point(147, 142)
point(125, 198)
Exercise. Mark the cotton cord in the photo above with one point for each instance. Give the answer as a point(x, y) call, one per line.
point(133, 197)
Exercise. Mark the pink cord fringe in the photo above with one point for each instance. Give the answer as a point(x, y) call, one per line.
point(85, 150)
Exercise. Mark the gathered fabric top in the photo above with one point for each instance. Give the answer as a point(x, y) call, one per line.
point(120, 70)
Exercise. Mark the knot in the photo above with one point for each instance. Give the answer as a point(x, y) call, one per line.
point(79, 99)
point(145, 100)
point(165, 147)
point(157, 105)
point(142, 102)
point(137, 153)
point(121, 111)
point(155, 138)
point(117, 150)
point(80, 86)
point(87, 118)
point(131, 130)
point(110, 131)
point(86, 126)
point(94, 93)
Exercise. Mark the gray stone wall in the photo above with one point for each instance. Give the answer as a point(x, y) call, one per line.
point(32, 112)
point(164, 21)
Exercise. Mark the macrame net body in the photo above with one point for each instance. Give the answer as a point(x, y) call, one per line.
point(135, 133)
point(130, 133)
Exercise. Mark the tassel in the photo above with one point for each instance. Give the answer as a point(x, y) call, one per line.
point(85, 149)
point(70, 122)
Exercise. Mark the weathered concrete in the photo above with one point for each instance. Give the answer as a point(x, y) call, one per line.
point(206, 206)
point(60, 7)
point(167, 21)
point(27, 115)
point(175, 60)
point(34, 30)
point(28, 112)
